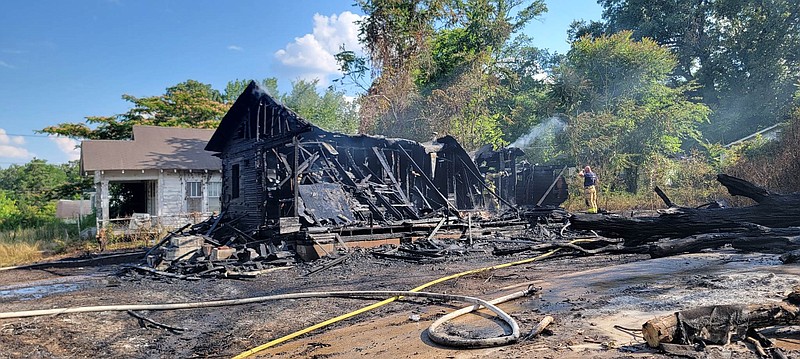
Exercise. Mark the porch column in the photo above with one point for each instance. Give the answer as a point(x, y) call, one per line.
point(101, 187)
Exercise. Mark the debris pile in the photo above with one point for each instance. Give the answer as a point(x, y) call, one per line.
point(191, 252)
point(216, 249)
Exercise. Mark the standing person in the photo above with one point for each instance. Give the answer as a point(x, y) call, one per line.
point(589, 188)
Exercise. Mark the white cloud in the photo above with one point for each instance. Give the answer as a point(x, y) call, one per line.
point(68, 146)
point(311, 56)
point(7, 151)
point(235, 48)
point(6, 64)
point(11, 146)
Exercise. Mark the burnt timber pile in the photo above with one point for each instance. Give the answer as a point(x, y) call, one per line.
point(769, 226)
point(286, 180)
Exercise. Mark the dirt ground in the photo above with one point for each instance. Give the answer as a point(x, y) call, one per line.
point(587, 296)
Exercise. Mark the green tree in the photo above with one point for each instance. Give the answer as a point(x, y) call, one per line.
point(331, 110)
point(235, 88)
point(34, 187)
point(437, 66)
point(625, 116)
point(743, 54)
point(197, 105)
point(522, 100)
point(8, 209)
point(187, 104)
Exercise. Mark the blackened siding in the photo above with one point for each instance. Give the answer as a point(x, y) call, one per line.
point(249, 204)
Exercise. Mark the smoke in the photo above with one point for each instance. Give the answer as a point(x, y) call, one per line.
point(548, 128)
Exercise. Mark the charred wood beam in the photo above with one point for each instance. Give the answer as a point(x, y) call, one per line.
point(388, 170)
point(329, 264)
point(428, 181)
point(352, 163)
point(307, 163)
point(342, 173)
point(406, 207)
point(470, 193)
point(483, 184)
point(436, 229)
point(433, 254)
point(377, 179)
point(612, 249)
point(302, 149)
point(214, 225)
point(790, 257)
point(740, 187)
point(765, 241)
point(664, 197)
point(295, 177)
point(283, 160)
point(372, 207)
point(416, 259)
point(142, 320)
point(357, 168)
point(549, 189)
point(245, 235)
point(773, 210)
point(678, 223)
point(423, 197)
point(162, 273)
point(388, 205)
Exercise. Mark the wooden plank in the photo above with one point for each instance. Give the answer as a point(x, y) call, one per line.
point(388, 171)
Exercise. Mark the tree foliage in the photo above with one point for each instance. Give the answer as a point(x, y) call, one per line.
point(743, 54)
point(437, 66)
point(625, 115)
point(197, 105)
point(32, 189)
point(8, 209)
point(187, 104)
point(331, 110)
point(772, 164)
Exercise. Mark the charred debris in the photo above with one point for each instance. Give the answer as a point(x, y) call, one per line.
point(293, 191)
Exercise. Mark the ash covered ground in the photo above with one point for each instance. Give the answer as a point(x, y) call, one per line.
point(592, 298)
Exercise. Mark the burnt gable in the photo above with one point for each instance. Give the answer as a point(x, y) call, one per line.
point(257, 116)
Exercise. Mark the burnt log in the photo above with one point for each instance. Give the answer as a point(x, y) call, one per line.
point(772, 210)
point(719, 324)
point(765, 240)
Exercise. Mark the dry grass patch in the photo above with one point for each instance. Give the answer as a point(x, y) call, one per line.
point(19, 253)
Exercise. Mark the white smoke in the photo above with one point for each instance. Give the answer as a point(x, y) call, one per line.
point(547, 128)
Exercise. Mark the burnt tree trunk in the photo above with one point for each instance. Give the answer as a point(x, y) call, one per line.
point(763, 240)
point(772, 210)
point(719, 324)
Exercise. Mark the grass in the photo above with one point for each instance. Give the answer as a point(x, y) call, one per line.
point(26, 245)
point(19, 253)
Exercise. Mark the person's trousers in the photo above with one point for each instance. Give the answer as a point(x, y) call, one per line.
point(591, 198)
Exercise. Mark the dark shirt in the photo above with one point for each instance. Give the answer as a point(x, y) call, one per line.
point(589, 179)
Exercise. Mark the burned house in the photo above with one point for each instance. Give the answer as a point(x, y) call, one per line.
point(526, 185)
point(281, 173)
point(160, 178)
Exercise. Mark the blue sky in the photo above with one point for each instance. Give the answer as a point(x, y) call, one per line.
point(61, 61)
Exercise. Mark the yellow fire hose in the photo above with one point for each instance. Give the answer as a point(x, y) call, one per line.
point(249, 352)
